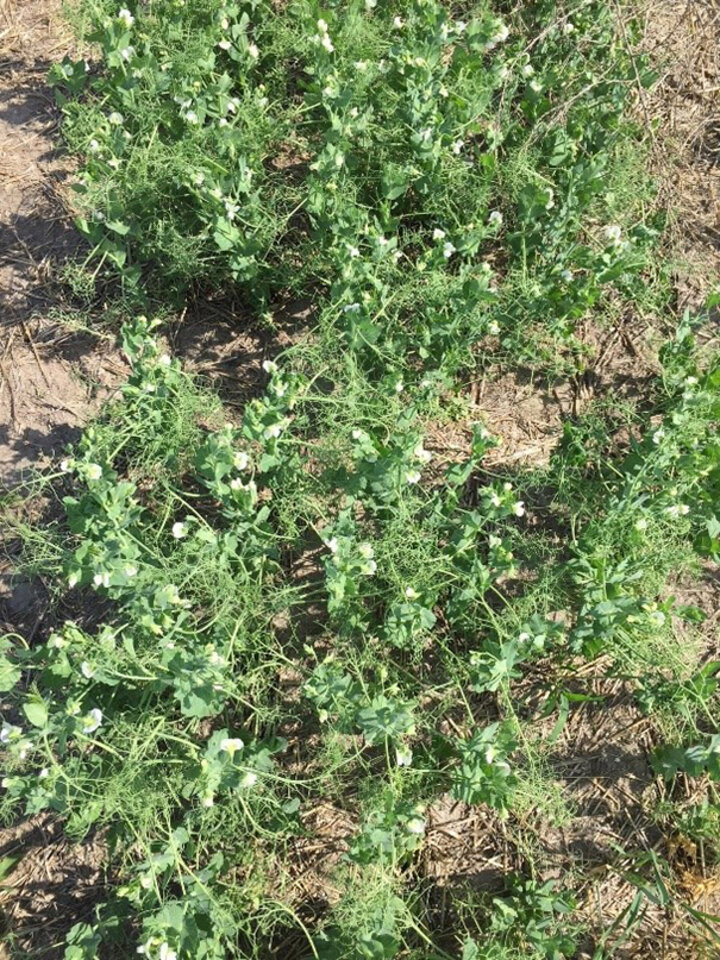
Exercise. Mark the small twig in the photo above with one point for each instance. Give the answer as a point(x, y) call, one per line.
point(31, 343)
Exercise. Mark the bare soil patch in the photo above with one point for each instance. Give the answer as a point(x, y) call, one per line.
point(681, 36)
point(50, 379)
point(55, 884)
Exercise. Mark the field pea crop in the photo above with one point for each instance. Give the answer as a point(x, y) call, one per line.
point(289, 636)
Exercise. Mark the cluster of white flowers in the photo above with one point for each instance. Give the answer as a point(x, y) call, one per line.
point(126, 18)
point(403, 756)
point(369, 566)
point(499, 36)
point(323, 37)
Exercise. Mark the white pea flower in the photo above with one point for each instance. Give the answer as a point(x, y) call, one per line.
point(399, 386)
point(269, 366)
point(420, 453)
point(94, 146)
point(413, 476)
point(691, 381)
point(126, 53)
point(366, 550)
point(225, 23)
point(322, 26)
point(519, 508)
point(66, 465)
point(208, 800)
point(332, 545)
point(224, 44)
point(125, 17)
point(613, 233)
point(231, 745)
point(43, 773)
point(8, 732)
point(641, 524)
point(327, 43)
point(448, 249)
point(353, 251)
point(101, 580)
point(166, 953)
point(416, 826)
point(438, 234)
point(191, 117)
point(130, 570)
point(568, 28)
point(179, 530)
point(369, 568)
point(403, 756)
point(658, 436)
point(457, 146)
point(114, 164)
point(249, 779)
point(411, 593)
point(253, 51)
point(536, 86)
point(116, 119)
point(502, 33)
point(567, 276)
point(92, 720)
point(496, 500)
point(240, 460)
point(86, 670)
point(494, 328)
point(495, 218)
point(398, 23)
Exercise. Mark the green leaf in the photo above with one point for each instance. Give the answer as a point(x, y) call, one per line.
point(36, 712)
point(470, 950)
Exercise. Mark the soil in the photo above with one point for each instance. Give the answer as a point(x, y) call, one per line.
point(53, 379)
